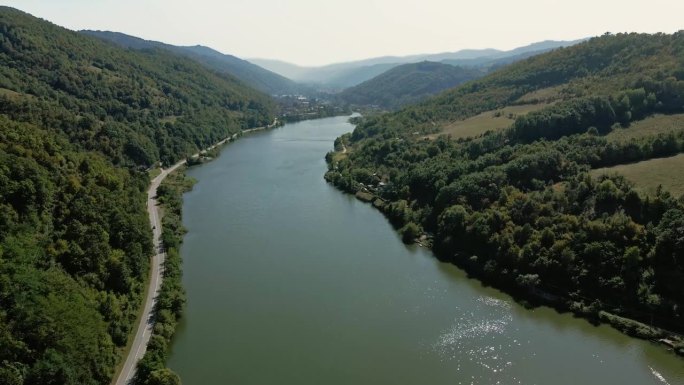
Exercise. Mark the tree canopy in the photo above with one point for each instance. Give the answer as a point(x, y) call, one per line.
point(517, 207)
point(80, 121)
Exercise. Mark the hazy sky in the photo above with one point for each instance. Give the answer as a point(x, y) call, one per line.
point(310, 32)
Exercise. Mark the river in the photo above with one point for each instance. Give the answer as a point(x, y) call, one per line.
point(290, 281)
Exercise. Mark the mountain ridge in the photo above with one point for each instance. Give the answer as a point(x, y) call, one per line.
point(351, 73)
point(250, 73)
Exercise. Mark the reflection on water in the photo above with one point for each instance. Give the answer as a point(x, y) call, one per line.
point(659, 376)
point(482, 342)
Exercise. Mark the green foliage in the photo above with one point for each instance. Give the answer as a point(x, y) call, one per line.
point(74, 241)
point(408, 83)
point(171, 301)
point(163, 377)
point(409, 232)
point(80, 120)
point(599, 67)
point(631, 327)
point(134, 106)
point(517, 207)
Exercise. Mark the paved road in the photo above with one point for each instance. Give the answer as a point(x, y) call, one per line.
point(144, 328)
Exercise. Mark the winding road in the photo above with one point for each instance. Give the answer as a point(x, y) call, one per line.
point(144, 329)
point(146, 324)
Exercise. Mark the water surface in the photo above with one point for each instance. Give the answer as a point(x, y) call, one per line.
point(290, 281)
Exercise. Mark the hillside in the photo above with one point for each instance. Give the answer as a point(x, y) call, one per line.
point(80, 121)
point(407, 83)
point(515, 204)
point(251, 74)
point(489, 58)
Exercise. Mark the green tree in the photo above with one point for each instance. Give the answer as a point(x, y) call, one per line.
point(163, 377)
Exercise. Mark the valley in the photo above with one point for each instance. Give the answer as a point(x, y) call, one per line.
point(474, 215)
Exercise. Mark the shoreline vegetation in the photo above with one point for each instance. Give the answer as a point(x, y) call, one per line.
point(82, 120)
point(151, 368)
point(213, 151)
point(527, 296)
point(518, 207)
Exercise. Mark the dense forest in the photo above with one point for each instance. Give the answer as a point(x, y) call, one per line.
point(407, 83)
point(151, 369)
point(517, 207)
point(80, 122)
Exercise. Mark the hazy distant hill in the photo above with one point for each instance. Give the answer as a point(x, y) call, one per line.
point(345, 78)
point(349, 74)
point(251, 74)
point(408, 83)
point(288, 70)
point(504, 58)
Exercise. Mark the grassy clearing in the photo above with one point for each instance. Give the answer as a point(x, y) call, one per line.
point(169, 119)
point(649, 174)
point(13, 94)
point(545, 95)
point(653, 125)
point(8, 92)
point(338, 156)
point(153, 173)
point(487, 121)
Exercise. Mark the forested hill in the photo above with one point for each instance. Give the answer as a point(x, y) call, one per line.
point(599, 67)
point(516, 205)
point(251, 74)
point(408, 83)
point(80, 120)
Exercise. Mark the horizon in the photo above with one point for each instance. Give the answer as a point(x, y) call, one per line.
point(310, 34)
point(399, 56)
point(351, 60)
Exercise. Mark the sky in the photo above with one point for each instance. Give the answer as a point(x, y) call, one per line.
point(317, 32)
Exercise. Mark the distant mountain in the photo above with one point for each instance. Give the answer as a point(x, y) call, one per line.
point(251, 74)
point(342, 79)
point(543, 46)
point(503, 58)
point(331, 77)
point(408, 83)
point(288, 70)
point(464, 54)
point(349, 74)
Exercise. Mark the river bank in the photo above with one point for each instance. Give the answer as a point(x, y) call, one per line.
point(527, 296)
point(290, 281)
point(165, 300)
